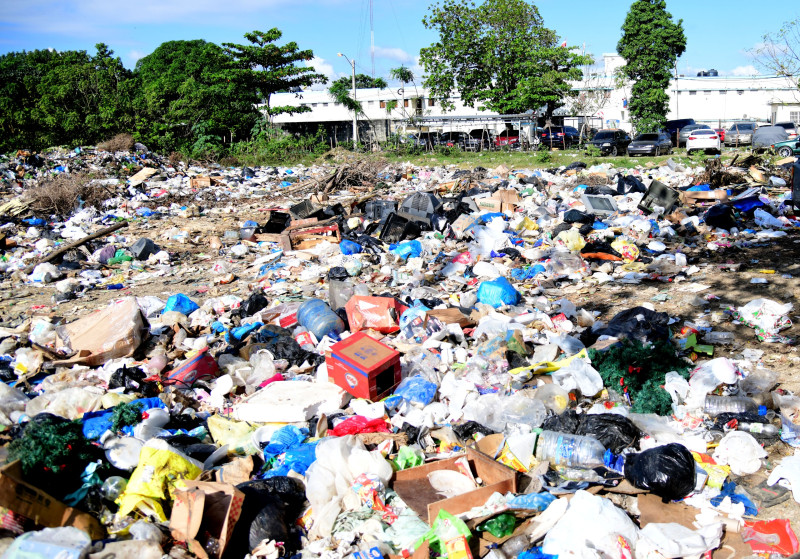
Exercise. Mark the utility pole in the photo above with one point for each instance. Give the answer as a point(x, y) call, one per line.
point(355, 112)
point(677, 112)
point(372, 39)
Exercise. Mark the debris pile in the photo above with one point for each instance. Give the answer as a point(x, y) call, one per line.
point(379, 360)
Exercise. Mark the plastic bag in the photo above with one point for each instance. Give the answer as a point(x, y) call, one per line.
point(416, 389)
point(571, 239)
point(180, 303)
point(350, 247)
point(638, 323)
point(666, 471)
point(627, 249)
point(581, 375)
point(766, 316)
point(741, 451)
point(497, 293)
point(377, 313)
point(359, 424)
point(408, 457)
point(500, 526)
point(615, 431)
point(407, 249)
point(445, 528)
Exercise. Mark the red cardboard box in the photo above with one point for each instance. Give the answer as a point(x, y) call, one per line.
point(364, 367)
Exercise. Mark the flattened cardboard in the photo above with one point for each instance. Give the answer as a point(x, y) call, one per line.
point(413, 487)
point(31, 502)
point(451, 315)
point(109, 333)
point(692, 198)
point(204, 507)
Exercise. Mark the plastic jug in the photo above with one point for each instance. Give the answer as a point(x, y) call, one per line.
point(319, 319)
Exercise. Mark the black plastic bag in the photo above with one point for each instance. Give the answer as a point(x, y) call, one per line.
point(567, 422)
point(616, 432)
point(720, 215)
point(577, 216)
point(629, 183)
point(561, 227)
point(638, 323)
point(280, 343)
point(254, 303)
point(338, 273)
point(666, 471)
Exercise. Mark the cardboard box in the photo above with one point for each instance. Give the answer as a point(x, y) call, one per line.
point(692, 198)
point(364, 367)
point(489, 204)
point(204, 510)
point(31, 502)
point(465, 225)
point(413, 487)
point(201, 181)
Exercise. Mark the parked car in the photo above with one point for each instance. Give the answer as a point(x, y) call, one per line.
point(787, 148)
point(673, 127)
point(790, 127)
point(650, 144)
point(452, 139)
point(740, 134)
point(478, 140)
point(721, 133)
point(560, 136)
point(611, 142)
point(703, 139)
point(426, 140)
point(507, 138)
point(687, 130)
point(766, 136)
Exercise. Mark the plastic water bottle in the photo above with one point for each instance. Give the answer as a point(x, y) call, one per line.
point(763, 429)
point(564, 449)
point(318, 318)
point(716, 405)
point(724, 338)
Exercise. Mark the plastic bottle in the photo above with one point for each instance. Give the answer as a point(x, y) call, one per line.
point(716, 405)
point(763, 429)
point(564, 449)
point(319, 319)
point(516, 545)
point(304, 339)
point(554, 398)
point(113, 487)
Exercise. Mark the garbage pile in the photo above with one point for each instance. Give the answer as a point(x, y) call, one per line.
point(370, 360)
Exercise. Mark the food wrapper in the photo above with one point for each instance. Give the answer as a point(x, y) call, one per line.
point(627, 249)
point(371, 491)
point(716, 474)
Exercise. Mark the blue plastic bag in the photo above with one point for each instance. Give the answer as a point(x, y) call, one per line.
point(533, 501)
point(521, 274)
point(416, 389)
point(407, 249)
point(497, 293)
point(180, 303)
point(349, 247)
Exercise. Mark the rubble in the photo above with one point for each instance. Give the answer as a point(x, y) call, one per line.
point(359, 358)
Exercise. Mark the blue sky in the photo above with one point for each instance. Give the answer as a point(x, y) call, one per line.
point(719, 34)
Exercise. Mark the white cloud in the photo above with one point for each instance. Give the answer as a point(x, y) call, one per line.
point(748, 70)
point(324, 68)
point(135, 55)
point(393, 53)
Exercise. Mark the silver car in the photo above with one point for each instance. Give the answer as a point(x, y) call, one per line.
point(688, 129)
point(740, 134)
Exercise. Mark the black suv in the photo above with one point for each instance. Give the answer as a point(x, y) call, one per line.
point(611, 142)
point(673, 127)
point(560, 137)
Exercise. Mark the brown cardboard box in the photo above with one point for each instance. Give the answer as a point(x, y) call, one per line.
point(413, 487)
point(31, 502)
point(205, 509)
point(199, 182)
point(692, 198)
point(489, 204)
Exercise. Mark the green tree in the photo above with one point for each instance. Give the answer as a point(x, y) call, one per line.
point(342, 89)
point(405, 76)
point(186, 89)
point(50, 98)
point(651, 43)
point(498, 56)
point(271, 68)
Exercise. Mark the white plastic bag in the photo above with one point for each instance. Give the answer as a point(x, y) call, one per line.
point(581, 375)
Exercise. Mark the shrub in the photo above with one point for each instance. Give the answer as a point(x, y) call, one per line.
point(61, 194)
point(120, 142)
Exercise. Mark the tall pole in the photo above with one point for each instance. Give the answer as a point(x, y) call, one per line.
point(355, 112)
point(677, 112)
point(372, 38)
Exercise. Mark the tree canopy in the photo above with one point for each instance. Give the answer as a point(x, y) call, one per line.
point(651, 43)
point(342, 89)
point(497, 56)
point(779, 52)
point(270, 68)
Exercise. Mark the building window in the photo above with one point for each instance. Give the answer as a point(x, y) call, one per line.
point(325, 104)
point(622, 115)
point(370, 102)
point(692, 93)
point(405, 103)
point(314, 104)
point(794, 116)
point(383, 104)
point(430, 102)
point(740, 92)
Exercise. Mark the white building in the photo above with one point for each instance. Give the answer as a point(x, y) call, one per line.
point(714, 100)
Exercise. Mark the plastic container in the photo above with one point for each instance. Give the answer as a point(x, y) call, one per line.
point(248, 231)
point(318, 318)
point(553, 397)
point(716, 405)
point(339, 292)
point(563, 449)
